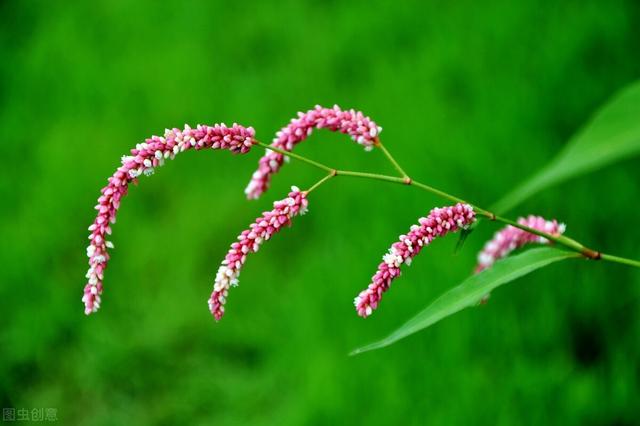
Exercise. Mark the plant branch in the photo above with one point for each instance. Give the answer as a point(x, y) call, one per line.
point(392, 160)
point(374, 176)
point(296, 156)
point(622, 260)
point(406, 180)
point(321, 181)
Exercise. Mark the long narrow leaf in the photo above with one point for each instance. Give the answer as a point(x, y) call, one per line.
point(612, 134)
point(471, 291)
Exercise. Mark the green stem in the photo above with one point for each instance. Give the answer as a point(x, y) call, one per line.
point(374, 176)
point(296, 156)
point(406, 180)
point(321, 181)
point(392, 160)
point(622, 260)
point(443, 194)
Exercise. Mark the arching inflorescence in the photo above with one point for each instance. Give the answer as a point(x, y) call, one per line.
point(439, 222)
point(144, 158)
point(354, 123)
point(249, 241)
point(511, 238)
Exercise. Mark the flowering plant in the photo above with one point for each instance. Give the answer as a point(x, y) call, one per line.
point(495, 267)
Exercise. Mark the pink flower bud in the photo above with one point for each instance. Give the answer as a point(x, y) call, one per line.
point(438, 223)
point(144, 158)
point(249, 241)
point(357, 125)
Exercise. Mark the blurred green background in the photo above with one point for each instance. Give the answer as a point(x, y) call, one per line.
point(473, 98)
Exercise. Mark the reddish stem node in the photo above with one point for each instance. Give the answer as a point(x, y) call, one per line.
point(591, 254)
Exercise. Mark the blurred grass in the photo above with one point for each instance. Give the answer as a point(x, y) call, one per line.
point(472, 99)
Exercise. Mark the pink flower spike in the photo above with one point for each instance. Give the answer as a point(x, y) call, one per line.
point(361, 129)
point(249, 241)
point(510, 238)
point(144, 158)
point(438, 223)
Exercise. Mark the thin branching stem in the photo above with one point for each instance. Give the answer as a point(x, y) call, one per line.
point(622, 260)
point(406, 180)
point(321, 181)
point(392, 160)
point(296, 156)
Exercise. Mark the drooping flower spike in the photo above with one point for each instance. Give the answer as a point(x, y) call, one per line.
point(249, 241)
point(144, 158)
point(361, 129)
point(510, 238)
point(438, 223)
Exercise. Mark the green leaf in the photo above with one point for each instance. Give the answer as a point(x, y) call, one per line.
point(472, 290)
point(612, 134)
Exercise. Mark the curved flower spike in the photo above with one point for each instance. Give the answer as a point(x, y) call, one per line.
point(361, 129)
point(144, 158)
point(510, 238)
point(249, 241)
point(438, 223)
